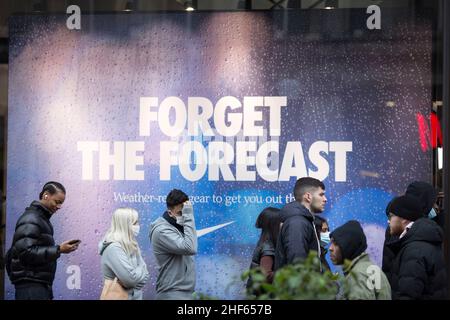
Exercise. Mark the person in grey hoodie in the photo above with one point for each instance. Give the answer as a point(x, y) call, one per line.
point(121, 257)
point(174, 242)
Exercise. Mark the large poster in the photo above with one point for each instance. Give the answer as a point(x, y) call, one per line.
point(230, 107)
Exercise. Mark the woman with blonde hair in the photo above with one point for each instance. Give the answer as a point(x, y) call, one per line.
point(120, 254)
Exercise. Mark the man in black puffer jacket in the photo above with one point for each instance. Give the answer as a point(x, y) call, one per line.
point(32, 258)
point(418, 269)
point(427, 195)
point(298, 235)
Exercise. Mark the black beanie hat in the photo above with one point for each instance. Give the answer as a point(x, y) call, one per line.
point(388, 207)
point(351, 239)
point(406, 207)
point(425, 192)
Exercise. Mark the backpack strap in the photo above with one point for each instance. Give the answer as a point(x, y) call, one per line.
point(105, 246)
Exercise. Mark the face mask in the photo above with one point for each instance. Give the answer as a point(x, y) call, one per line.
point(325, 237)
point(180, 220)
point(136, 229)
point(432, 214)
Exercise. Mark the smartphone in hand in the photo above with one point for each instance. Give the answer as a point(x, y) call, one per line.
point(72, 242)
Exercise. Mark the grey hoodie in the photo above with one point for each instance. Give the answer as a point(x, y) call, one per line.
point(174, 253)
point(130, 271)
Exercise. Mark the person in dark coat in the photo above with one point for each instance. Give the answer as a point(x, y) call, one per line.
point(298, 234)
point(32, 258)
point(388, 255)
point(418, 269)
point(263, 254)
point(323, 233)
point(427, 196)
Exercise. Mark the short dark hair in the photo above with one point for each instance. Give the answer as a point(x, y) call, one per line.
point(176, 197)
point(52, 187)
point(304, 185)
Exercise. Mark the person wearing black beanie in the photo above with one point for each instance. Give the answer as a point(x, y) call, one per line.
point(418, 269)
point(348, 242)
point(403, 211)
point(425, 192)
point(427, 195)
point(398, 223)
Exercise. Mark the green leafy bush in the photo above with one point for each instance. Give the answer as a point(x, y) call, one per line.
point(300, 281)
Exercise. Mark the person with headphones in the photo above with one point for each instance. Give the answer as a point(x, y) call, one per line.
point(31, 261)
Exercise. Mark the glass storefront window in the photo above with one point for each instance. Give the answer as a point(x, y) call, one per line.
point(230, 102)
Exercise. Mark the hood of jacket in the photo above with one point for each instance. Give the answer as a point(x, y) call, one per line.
point(351, 239)
point(157, 223)
point(295, 209)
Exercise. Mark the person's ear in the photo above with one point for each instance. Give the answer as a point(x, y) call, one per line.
point(308, 197)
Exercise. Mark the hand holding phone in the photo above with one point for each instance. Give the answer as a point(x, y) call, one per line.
point(69, 246)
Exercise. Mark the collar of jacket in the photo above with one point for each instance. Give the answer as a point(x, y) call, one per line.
point(38, 205)
point(396, 244)
point(423, 229)
point(173, 222)
point(307, 213)
point(362, 256)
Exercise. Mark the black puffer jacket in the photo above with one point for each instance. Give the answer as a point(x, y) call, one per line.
point(297, 236)
point(418, 270)
point(33, 251)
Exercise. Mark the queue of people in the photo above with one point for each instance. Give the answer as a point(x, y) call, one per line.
point(413, 260)
point(413, 264)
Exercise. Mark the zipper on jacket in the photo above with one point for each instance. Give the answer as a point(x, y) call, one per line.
point(318, 245)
